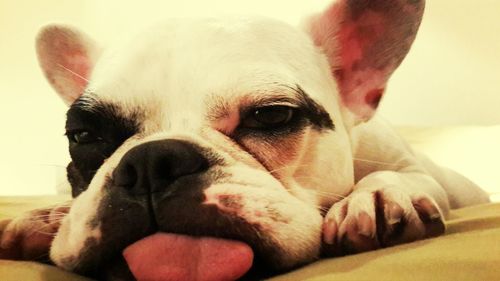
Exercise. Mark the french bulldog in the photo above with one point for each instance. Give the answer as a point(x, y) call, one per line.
point(238, 129)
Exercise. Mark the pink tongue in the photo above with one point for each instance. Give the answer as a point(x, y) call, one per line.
point(163, 256)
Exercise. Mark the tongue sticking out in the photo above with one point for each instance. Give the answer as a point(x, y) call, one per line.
point(164, 257)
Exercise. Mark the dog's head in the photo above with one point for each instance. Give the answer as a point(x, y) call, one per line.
point(232, 128)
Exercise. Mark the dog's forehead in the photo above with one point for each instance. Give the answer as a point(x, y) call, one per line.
point(185, 64)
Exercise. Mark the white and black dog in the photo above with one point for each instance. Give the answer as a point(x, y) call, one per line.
point(242, 129)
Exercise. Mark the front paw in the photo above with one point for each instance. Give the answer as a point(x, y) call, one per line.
point(29, 237)
point(368, 220)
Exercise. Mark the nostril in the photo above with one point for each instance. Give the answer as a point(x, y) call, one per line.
point(170, 168)
point(125, 176)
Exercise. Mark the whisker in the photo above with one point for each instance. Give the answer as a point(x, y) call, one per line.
point(322, 208)
point(328, 193)
point(74, 73)
point(43, 230)
point(46, 233)
point(52, 165)
point(43, 257)
point(319, 179)
point(36, 217)
point(379, 162)
point(286, 167)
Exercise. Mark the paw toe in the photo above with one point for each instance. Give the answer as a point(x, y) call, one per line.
point(329, 231)
point(430, 216)
point(360, 234)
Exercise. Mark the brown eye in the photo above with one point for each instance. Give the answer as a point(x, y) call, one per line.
point(268, 117)
point(83, 137)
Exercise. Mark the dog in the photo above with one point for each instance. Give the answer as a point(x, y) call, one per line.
point(239, 129)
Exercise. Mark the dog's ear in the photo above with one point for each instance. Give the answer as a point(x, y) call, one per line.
point(66, 57)
point(365, 41)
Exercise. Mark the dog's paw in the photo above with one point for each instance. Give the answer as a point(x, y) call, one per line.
point(368, 220)
point(29, 237)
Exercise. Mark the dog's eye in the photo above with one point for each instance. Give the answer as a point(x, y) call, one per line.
point(83, 137)
point(268, 117)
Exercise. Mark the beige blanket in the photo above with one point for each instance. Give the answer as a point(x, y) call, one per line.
point(470, 250)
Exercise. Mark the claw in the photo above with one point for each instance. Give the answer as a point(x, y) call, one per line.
point(353, 227)
point(7, 238)
point(366, 225)
point(329, 231)
point(427, 210)
point(393, 213)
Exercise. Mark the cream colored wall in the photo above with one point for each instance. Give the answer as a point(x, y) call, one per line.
point(452, 74)
point(450, 77)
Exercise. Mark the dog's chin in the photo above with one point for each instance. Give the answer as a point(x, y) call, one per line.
point(260, 257)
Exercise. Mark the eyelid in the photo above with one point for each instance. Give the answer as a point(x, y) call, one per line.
point(72, 132)
point(77, 130)
point(286, 104)
point(269, 100)
point(246, 109)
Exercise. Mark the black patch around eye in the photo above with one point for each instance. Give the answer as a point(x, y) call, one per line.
point(316, 114)
point(306, 112)
point(78, 181)
point(109, 129)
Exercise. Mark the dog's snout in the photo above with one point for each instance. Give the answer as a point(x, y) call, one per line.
point(154, 165)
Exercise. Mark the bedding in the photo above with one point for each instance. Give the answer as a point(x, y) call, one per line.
point(470, 249)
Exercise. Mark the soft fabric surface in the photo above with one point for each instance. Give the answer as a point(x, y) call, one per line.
point(470, 250)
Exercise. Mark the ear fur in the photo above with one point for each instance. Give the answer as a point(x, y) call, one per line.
point(67, 57)
point(365, 41)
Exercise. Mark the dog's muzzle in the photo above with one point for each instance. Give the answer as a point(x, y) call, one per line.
point(158, 187)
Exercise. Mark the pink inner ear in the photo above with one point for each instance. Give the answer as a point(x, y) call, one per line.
point(365, 41)
point(77, 63)
point(66, 57)
point(356, 37)
point(71, 64)
point(361, 78)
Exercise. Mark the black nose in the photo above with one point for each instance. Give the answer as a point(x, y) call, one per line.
point(153, 166)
